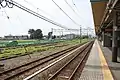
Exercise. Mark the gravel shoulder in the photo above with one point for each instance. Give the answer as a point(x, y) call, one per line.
point(13, 62)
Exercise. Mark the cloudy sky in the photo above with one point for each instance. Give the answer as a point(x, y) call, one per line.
point(20, 22)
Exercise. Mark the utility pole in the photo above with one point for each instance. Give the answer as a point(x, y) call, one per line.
point(62, 33)
point(70, 35)
point(80, 34)
point(87, 34)
point(52, 30)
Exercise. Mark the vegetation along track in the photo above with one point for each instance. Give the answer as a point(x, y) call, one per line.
point(68, 71)
point(45, 45)
point(8, 74)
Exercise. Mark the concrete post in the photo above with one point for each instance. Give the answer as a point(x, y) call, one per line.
point(114, 38)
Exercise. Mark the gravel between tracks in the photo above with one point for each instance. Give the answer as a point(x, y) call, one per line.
point(47, 73)
point(10, 63)
point(22, 76)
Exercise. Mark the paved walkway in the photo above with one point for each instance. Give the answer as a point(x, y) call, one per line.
point(114, 66)
point(96, 67)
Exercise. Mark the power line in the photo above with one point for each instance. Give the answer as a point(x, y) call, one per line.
point(7, 17)
point(19, 20)
point(38, 8)
point(72, 8)
point(36, 14)
point(77, 10)
point(7, 4)
point(65, 12)
point(6, 14)
point(75, 5)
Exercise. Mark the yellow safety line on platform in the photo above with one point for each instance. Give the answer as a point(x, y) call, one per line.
point(105, 69)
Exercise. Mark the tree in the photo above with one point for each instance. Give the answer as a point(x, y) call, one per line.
point(84, 36)
point(31, 32)
point(53, 37)
point(49, 35)
point(38, 34)
point(35, 34)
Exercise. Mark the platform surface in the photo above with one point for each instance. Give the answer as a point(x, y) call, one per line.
point(96, 67)
point(114, 66)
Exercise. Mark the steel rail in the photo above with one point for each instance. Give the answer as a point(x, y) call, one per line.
point(45, 59)
point(55, 74)
point(43, 69)
point(70, 78)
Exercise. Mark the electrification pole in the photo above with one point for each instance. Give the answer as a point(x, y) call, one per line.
point(87, 35)
point(80, 34)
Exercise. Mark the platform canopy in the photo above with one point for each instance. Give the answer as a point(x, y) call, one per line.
point(98, 9)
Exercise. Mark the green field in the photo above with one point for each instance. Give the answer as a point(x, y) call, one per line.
point(27, 42)
point(8, 52)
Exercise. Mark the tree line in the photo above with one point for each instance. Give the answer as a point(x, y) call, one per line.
point(37, 34)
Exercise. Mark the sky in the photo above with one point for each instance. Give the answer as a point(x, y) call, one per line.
point(20, 22)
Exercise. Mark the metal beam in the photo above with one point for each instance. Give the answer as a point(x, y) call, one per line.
point(114, 39)
point(108, 11)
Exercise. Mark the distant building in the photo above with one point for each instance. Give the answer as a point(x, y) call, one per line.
point(45, 37)
point(21, 37)
point(69, 36)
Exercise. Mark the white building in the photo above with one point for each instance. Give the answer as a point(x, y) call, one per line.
point(21, 37)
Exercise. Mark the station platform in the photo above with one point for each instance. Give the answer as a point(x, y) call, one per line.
point(99, 65)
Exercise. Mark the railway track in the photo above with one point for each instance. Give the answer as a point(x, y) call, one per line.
point(11, 73)
point(68, 70)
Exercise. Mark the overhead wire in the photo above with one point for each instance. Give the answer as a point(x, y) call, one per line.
point(72, 8)
point(38, 15)
point(77, 10)
point(10, 5)
point(7, 17)
point(1, 13)
point(38, 8)
point(65, 13)
point(19, 20)
point(75, 5)
point(2, 1)
point(6, 14)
